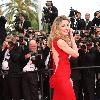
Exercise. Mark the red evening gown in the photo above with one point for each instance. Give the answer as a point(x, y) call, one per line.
point(60, 80)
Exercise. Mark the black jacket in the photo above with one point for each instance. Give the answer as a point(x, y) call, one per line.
point(96, 21)
point(16, 60)
point(2, 29)
point(88, 25)
point(80, 24)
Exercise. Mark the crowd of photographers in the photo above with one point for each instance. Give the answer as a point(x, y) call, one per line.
point(85, 74)
point(25, 58)
point(20, 62)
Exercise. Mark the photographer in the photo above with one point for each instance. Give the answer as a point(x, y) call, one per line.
point(72, 16)
point(80, 23)
point(97, 61)
point(88, 23)
point(11, 63)
point(22, 41)
point(84, 79)
point(50, 13)
point(34, 61)
point(22, 23)
point(96, 19)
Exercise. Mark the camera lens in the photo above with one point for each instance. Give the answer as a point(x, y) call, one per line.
point(33, 58)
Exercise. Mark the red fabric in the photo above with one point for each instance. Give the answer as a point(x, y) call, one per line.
point(60, 81)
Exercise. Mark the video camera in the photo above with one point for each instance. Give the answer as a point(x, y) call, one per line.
point(72, 17)
point(45, 10)
point(46, 15)
point(72, 12)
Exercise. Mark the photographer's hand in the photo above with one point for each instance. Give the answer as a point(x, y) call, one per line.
point(4, 46)
point(27, 56)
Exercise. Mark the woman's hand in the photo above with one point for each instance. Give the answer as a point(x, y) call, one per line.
point(27, 56)
point(71, 35)
point(71, 32)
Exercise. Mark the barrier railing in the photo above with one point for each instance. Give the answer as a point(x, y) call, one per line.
point(49, 72)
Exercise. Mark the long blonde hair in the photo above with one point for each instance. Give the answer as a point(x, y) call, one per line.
point(56, 32)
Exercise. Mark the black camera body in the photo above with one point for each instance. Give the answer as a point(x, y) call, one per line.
point(35, 57)
point(46, 15)
point(72, 17)
point(97, 39)
point(17, 19)
point(72, 12)
point(45, 10)
point(17, 22)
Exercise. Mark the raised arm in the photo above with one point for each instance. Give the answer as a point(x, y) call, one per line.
point(66, 48)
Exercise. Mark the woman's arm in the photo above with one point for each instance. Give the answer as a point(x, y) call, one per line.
point(66, 48)
point(73, 43)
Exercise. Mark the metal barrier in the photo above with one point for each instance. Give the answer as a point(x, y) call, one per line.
point(86, 67)
point(49, 72)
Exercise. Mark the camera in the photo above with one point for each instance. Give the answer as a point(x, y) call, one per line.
point(72, 12)
point(17, 19)
point(35, 57)
point(16, 22)
point(45, 10)
point(50, 12)
point(93, 28)
point(72, 17)
point(97, 39)
point(46, 15)
point(21, 39)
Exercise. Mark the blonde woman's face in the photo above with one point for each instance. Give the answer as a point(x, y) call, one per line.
point(64, 27)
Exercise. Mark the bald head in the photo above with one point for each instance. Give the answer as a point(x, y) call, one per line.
point(33, 45)
point(33, 42)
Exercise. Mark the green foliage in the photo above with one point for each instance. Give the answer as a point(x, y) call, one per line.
point(35, 25)
point(13, 7)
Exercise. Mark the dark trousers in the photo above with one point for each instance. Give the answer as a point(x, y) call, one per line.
point(6, 89)
point(98, 89)
point(85, 85)
point(30, 86)
point(88, 83)
point(78, 89)
point(15, 84)
point(1, 87)
point(11, 88)
point(45, 84)
point(97, 71)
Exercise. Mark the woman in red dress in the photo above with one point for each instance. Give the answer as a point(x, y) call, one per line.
point(63, 46)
